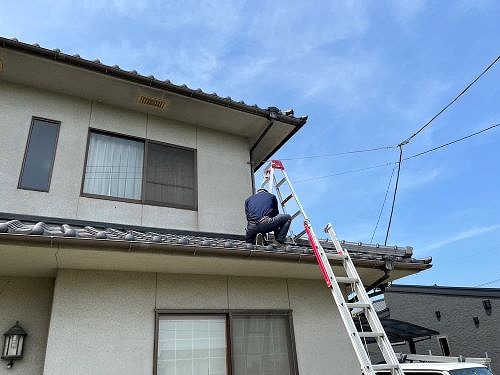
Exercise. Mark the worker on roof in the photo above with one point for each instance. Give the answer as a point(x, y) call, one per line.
point(263, 216)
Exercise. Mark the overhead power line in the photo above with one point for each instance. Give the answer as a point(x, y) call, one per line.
point(450, 103)
point(395, 191)
point(406, 158)
point(488, 283)
point(383, 204)
point(339, 153)
point(450, 143)
point(346, 172)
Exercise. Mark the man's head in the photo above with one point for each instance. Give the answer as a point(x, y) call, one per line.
point(262, 189)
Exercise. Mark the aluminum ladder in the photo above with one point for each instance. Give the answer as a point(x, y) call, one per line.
point(351, 281)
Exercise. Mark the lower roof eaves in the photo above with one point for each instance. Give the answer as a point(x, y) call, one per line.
point(39, 248)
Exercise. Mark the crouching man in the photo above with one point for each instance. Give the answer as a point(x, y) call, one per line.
point(263, 216)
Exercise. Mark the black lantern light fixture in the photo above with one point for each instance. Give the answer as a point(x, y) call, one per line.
point(438, 314)
point(13, 344)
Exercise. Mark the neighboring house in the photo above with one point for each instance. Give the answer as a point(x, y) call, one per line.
point(121, 230)
point(467, 319)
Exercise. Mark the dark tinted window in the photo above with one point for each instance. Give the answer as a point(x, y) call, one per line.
point(445, 349)
point(472, 371)
point(170, 176)
point(39, 155)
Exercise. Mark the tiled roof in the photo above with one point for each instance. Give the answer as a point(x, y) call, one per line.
point(197, 240)
point(152, 81)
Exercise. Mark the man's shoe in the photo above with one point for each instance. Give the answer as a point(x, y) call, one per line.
point(259, 239)
point(278, 245)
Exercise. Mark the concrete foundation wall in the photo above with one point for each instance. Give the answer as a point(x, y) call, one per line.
point(28, 300)
point(103, 322)
point(224, 179)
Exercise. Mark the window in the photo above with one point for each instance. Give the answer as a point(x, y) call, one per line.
point(445, 348)
point(39, 155)
point(471, 371)
point(238, 343)
point(137, 170)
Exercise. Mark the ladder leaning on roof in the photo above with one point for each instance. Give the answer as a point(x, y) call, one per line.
point(352, 280)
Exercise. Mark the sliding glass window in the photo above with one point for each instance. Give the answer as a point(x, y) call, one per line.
point(138, 170)
point(238, 343)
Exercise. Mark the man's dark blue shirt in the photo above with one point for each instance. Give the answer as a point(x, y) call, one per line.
point(261, 204)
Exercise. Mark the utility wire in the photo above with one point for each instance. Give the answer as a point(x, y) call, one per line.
point(395, 191)
point(338, 154)
point(406, 158)
point(488, 283)
point(383, 204)
point(345, 172)
point(450, 143)
point(450, 103)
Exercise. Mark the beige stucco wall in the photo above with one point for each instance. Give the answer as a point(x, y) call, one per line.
point(28, 300)
point(224, 179)
point(103, 322)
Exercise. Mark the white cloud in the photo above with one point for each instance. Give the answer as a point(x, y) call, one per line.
point(463, 235)
point(414, 179)
point(405, 11)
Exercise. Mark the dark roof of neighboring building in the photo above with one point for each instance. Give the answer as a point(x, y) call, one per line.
point(445, 290)
point(132, 76)
point(21, 227)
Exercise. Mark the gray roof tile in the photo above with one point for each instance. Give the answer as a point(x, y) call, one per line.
point(134, 75)
point(201, 240)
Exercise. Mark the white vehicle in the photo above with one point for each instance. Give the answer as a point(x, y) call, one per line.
point(443, 369)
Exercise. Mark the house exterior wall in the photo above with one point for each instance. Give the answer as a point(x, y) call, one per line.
point(224, 178)
point(103, 322)
point(29, 301)
point(456, 323)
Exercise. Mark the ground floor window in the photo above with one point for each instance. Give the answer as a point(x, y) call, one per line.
point(225, 343)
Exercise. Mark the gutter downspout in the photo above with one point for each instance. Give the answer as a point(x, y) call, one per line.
point(268, 127)
point(388, 268)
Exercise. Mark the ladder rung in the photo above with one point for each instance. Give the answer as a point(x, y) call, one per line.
point(347, 280)
point(283, 202)
point(371, 334)
point(296, 214)
point(384, 366)
point(299, 235)
point(336, 257)
point(281, 182)
point(358, 305)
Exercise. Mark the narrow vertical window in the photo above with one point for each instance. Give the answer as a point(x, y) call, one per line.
point(39, 155)
point(445, 348)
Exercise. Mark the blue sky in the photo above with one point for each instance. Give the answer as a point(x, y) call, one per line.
point(368, 74)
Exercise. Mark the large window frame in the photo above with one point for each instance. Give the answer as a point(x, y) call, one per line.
point(229, 314)
point(27, 150)
point(142, 199)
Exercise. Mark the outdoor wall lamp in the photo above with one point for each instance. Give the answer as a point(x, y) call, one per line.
point(438, 314)
point(13, 344)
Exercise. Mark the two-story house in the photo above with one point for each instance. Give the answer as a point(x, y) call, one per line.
point(121, 230)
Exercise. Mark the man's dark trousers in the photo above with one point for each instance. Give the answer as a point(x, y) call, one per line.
point(278, 224)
